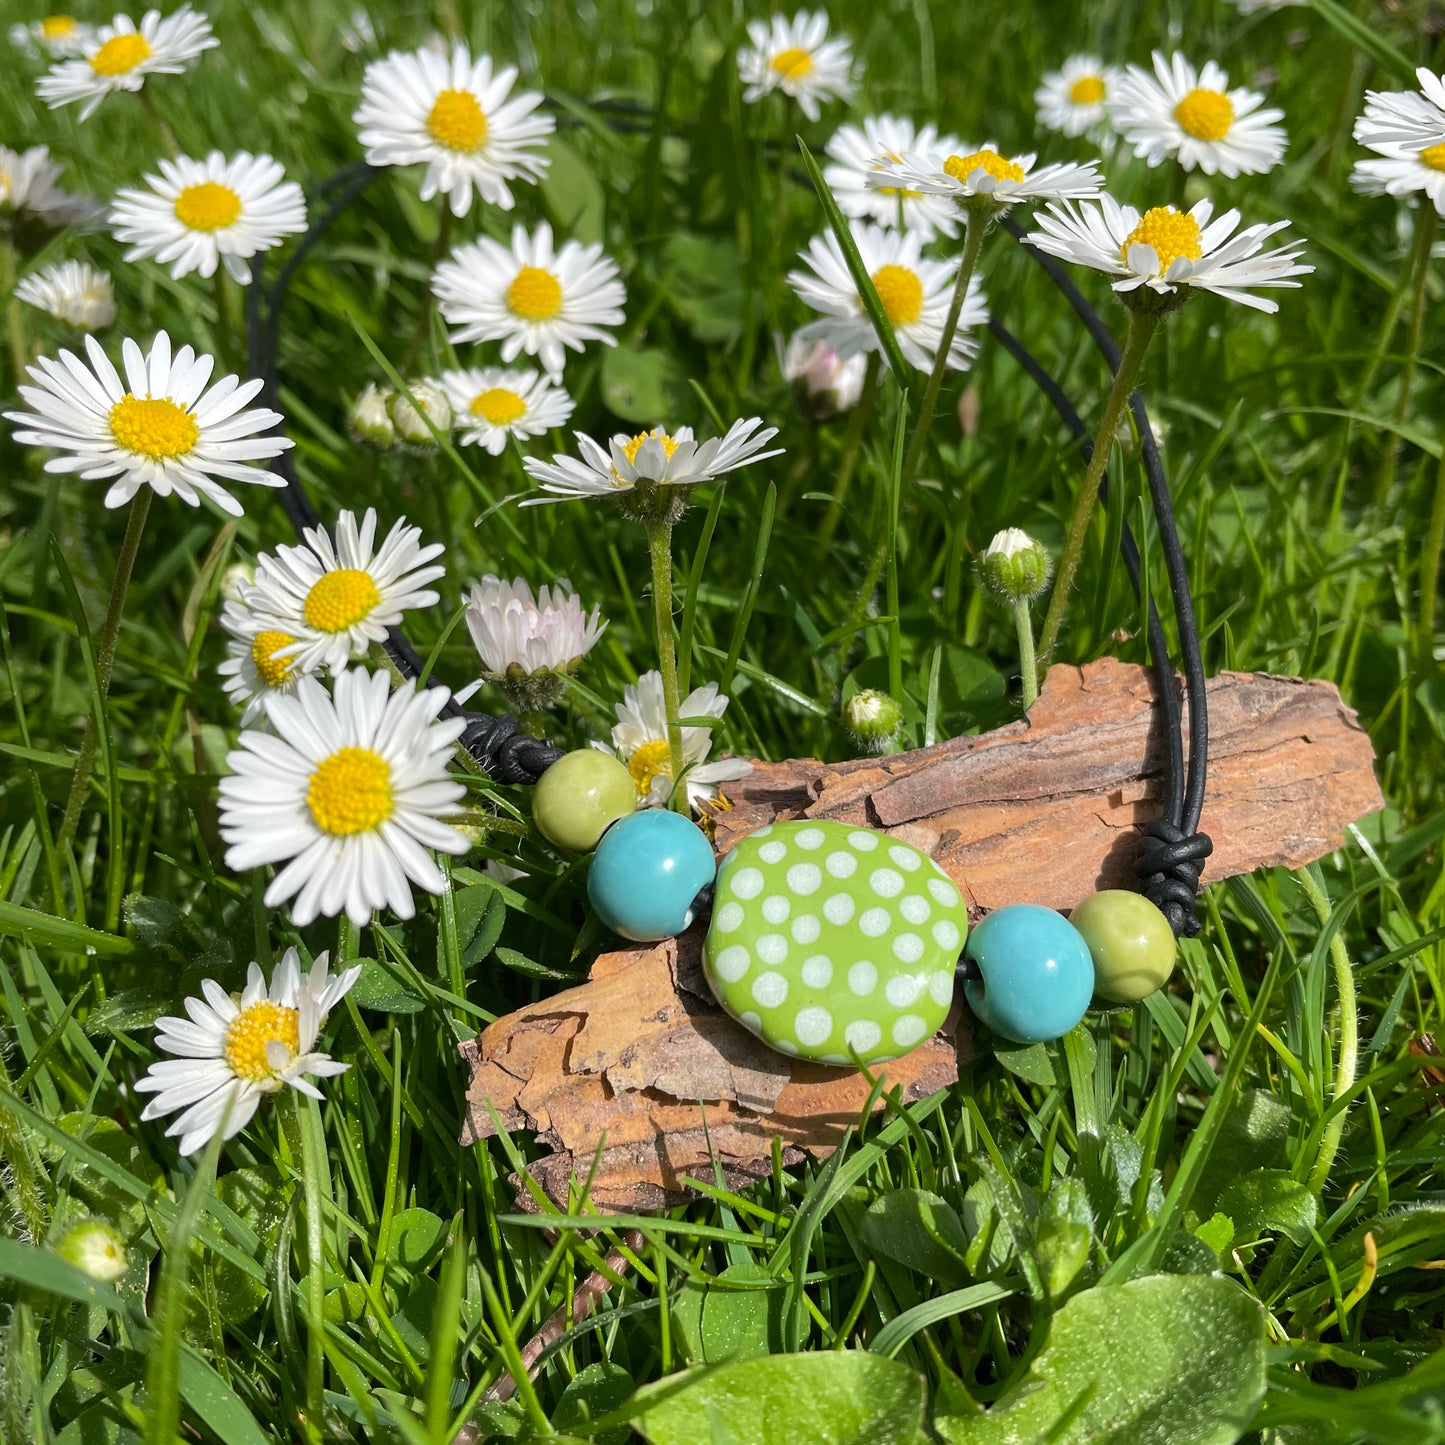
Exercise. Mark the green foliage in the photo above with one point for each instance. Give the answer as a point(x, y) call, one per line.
point(1081, 1241)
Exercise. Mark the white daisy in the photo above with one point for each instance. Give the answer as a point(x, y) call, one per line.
point(120, 55)
point(58, 35)
point(857, 152)
point(1402, 170)
point(823, 381)
point(493, 403)
point(649, 461)
point(640, 739)
point(350, 789)
point(528, 644)
point(197, 214)
point(988, 181)
point(796, 57)
point(339, 599)
point(231, 1052)
point(530, 297)
point(71, 291)
point(258, 664)
point(915, 294)
point(1194, 117)
point(28, 189)
point(1072, 99)
point(161, 427)
point(453, 114)
point(1166, 250)
point(1404, 117)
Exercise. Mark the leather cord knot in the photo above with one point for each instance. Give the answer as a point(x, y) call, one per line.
point(507, 755)
point(1168, 865)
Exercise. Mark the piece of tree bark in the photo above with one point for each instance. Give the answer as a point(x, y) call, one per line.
point(638, 1072)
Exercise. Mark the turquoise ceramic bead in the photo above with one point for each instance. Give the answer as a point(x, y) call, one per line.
point(1038, 976)
point(580, 796)
point(1131, 941)
point(831, 942)
point(647, 872)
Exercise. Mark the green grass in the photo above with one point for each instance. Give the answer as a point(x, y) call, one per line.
point(355, 1255)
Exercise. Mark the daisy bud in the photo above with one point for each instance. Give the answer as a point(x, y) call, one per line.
point(1015, 568)
point(872, 719)
point(93, 1246)
point(530, 646)
point(371, 418)
point(823, 383)
point(236, 579)
point(431, 406)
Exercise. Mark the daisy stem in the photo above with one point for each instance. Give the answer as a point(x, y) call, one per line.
point(1430, 573)
point(15, 319)
point(168, 139)
point(974, 226)
point(852, 444)
point(1141, 328)
point(659, 547)
point(1349, 1028)
point(225, 325)
point(104, 657)
point(308, 1126)
point(1424, 238)
point(1028, 667)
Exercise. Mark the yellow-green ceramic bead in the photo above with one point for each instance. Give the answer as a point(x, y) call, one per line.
point(580, 796)
point(1131, 942)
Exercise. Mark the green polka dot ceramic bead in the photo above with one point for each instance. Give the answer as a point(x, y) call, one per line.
point(829, 941)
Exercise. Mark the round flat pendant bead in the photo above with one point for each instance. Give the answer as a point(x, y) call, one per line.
point(580, 796)
point(647, 872)
point(1131, 942)
point(829, 941)
point(1038, 976)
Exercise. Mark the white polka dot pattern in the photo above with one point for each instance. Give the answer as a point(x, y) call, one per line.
point(834, 943)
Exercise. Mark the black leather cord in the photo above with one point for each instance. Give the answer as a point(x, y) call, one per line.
point(507, 755)
point(1172, 850)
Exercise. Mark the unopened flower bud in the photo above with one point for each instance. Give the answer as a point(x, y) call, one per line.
point(235, 579)
point(823, 382)
point(93, 1246)
point(872, 719)
point(411, 421)
point(371, 418)
point(1014, 567)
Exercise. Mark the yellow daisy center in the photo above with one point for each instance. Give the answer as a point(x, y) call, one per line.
point(1087, 90)
point(793, 63)
point(650, 761)
point(535, 294)
point(57, 27)
point(1171, 233)
point(962, 167)
point(272, 670)
point(153, 427)
point(262, 1023)
point(498, 406)
point(1205, 114)
point(120, 53)
point(209, 206)
point(901, 293)
point(1434, 157)
point(340, 599)
point(457, 121)
point(350, 792)
point(631, 448)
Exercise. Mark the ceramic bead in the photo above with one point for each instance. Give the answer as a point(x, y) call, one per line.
point(829, 941)
point(1131, 942)
point(1038, 976)
point(580, 796)
point(647, 872)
